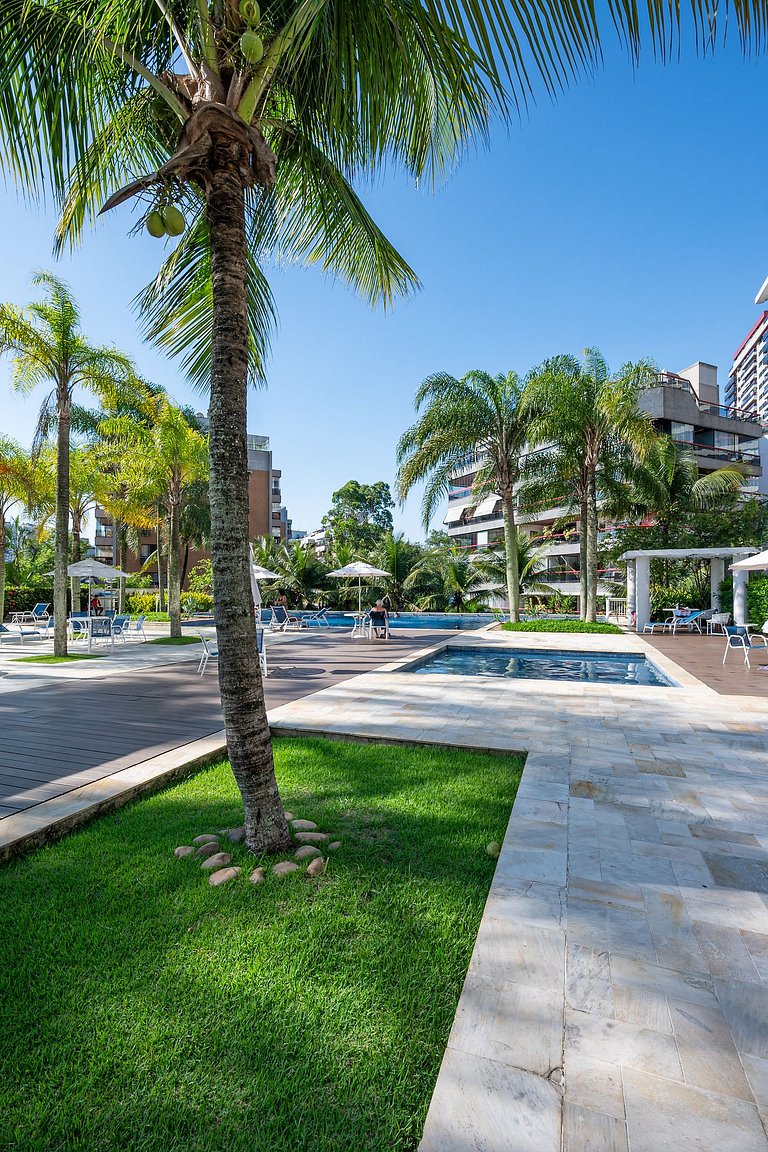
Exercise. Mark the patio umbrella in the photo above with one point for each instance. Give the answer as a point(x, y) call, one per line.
point(360, 569)
point(259, 573)
point(91, 570)
point(758, 563)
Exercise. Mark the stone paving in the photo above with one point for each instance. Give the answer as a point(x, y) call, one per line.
point(617, 997)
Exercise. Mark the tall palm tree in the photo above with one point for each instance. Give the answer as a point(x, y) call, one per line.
point(48, 348)
point(479, 413)
point(397, 556)
point(16, 479)
point(587, 420)
point(491, 565)
point(302, 573)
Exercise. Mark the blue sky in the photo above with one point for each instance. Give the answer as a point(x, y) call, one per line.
point(632, 214)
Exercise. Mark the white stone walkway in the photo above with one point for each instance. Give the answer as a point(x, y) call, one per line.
point(617, 997)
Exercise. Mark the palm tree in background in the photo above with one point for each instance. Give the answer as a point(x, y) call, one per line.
point(491, 565)
point(588, 422)
point(302, 574)
point(479, 414)
point(447, 580)
point(48, 348)
point(396, 555)
point(16, 486)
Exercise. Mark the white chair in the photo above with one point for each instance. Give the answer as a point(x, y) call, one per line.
point(210, 652)
point(717, 622)
point(378, 621)
point(737, 636)
point(261, 648)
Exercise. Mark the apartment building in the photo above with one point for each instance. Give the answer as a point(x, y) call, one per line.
point(685, 406)
point(266, 514)
point(747, 387)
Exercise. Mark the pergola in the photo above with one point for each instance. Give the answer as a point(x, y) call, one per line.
point(639, 578)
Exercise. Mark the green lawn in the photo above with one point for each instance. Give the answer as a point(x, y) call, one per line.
point(145, 1011)
point(51, 659)
point(175, 640)
point(562, 626)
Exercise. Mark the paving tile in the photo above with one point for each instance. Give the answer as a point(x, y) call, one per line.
point(673, 935)
point(697, 987)
point(618, 1042)
point(594, 1084)
point(516, 1024)
point(588, 986)
point(586, 1130)
point(745, 1007)
point(664, 1115)
point(725, 952)
point(707, 1051)
point(507, 950)
point(642, 1007)
point(757, 1075)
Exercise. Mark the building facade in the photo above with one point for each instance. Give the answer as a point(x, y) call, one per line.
point(747, 388)
point(685, 406)
point(266, 515)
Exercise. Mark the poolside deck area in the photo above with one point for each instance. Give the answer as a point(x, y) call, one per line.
point(703, 657)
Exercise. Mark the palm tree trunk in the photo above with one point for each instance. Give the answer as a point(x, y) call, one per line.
point(62, 526)
point(510, 549)
point(184, 565)
point(119, 529)
point(2, 565)
point(174, 582)
point(591, 614)
point(583, 557)
point(242, 694)
point(159, 552)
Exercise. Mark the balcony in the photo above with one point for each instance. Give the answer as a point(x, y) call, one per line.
point(666, 380)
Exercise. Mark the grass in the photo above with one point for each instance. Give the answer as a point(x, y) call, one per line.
point(145, 1011)
point(51, 659)
point(562, 626)
point(175, 640)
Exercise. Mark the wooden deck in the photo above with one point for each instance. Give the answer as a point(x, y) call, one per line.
point(702, 656)
point(66, 733)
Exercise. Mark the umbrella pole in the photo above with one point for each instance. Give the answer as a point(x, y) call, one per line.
point(359, 594)
point(90, 598)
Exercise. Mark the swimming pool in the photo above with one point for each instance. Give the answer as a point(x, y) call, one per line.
point(518, 664)
point(443, 621)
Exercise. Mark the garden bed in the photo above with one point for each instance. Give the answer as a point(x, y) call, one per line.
point(563, 626)
point(146, 1010)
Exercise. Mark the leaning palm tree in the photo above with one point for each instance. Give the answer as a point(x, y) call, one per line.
point(47, 347)
point(478, 414)
point(587, 420)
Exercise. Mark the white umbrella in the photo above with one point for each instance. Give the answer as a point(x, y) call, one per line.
point(758, 563)
point(259, 573)
point(91, 570)
point(360, 569)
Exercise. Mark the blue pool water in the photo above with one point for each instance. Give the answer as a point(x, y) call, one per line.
point(587, 667)
point(447, 621)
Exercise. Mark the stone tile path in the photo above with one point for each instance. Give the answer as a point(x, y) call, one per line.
point(617, 997)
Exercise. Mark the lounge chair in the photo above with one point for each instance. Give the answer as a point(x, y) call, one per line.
point(261, 648)
point(9, 633)
point(661, 625)
point(320, 618)
point(210, 652)
point(738, 636)
point(38, 615)
point(690, 620)
point(281, 621)
point(120, 626)
point(717, 622)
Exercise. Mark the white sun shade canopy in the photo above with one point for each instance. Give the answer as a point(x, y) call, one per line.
point(758, 563)
point(487, 506)
point(453, 515)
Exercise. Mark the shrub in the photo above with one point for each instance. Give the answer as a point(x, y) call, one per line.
point(152, 617)
point(757, 598)
point(141, 603)
point(562, 626)
point(192, 602)
point(23, 599)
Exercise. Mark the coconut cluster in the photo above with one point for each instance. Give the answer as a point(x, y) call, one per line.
point(165, 220)
point(251, 44)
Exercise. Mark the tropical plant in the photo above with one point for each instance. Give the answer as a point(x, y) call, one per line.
point(447, 580)
point(491, 564)
point(479, 414)
point(359, 516)
point(15, 485)
point(48, 347)
point(398, 557)
point(302, 574)
point(588, 423)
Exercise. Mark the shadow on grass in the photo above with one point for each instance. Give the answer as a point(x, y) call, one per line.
point(146, 1010)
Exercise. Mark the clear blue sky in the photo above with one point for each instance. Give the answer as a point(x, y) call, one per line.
point(632, 215)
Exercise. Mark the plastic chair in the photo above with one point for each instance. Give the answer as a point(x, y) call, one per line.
point(210, 652)
point(738, 637)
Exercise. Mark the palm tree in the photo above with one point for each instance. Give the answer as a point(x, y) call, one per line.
point(15, 487)
point(479, 413)
point(531, 566)
point(48, 348)
point(302, 574)
point(587, 420)
point(398, 557)
point(447, 580)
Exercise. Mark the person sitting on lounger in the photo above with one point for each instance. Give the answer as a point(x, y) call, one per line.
point(282, 600)
point(379, 620)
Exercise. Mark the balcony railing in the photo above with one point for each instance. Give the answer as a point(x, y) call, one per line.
point(727, 411)
point(727, 455)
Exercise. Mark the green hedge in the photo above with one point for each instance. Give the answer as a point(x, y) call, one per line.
point(562, 626)
point(24, 599)
point(757, 598)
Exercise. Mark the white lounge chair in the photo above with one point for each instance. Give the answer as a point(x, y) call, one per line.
point(717, 622)
point(281, 620)
point(738, 637)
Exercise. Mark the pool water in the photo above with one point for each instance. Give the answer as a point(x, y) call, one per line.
point(584, 667)
point(443, 621)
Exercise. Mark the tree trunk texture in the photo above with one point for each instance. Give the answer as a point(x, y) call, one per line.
point(583, 557)
point(510, 550)
point(591, 615)
point(75, 580)
point(119, 529)
point(174, 582)
point(2, 565)
point(242, 694)
point(159, 554)
point(61, 559)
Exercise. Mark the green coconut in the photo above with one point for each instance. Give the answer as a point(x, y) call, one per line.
point(155, 225)
point(173, 220)
point(250, 11)
point(252, 47)
point(493, 848)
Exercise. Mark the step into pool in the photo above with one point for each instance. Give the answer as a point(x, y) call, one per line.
point(517, 664)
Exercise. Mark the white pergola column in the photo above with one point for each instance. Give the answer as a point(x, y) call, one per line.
point(740, 579)
point(631, 593)
point(642, 592)
point(716, 574)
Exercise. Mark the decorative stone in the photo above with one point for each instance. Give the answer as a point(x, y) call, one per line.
point(223, 876)
point(258, 876)
point(183, 850)
point(334, 847)
point(206, 839)
point(306, 852)
point(312, 837)
point(303, 826)
point(235, 835)
point(289, 816)
point(218, 860)
point(206, 850)
point(317, 867)
point(284, 867)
